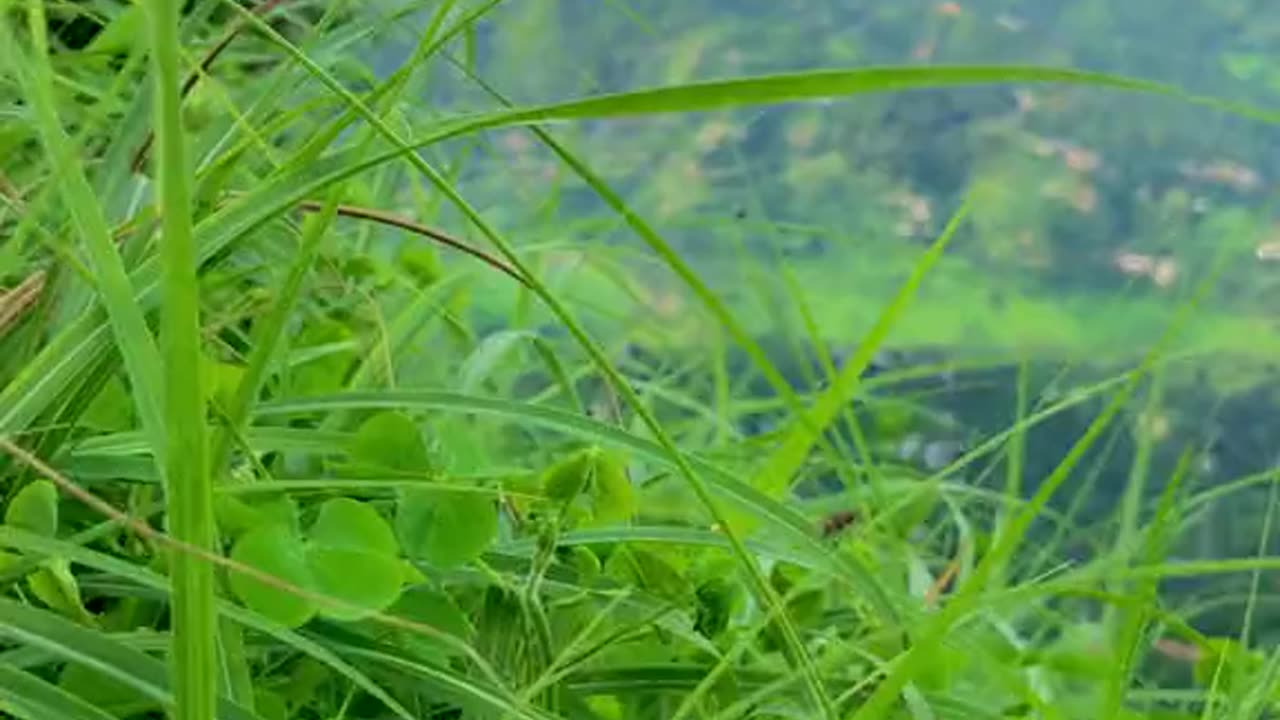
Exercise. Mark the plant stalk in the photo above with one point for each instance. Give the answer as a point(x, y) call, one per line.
point(189, 493)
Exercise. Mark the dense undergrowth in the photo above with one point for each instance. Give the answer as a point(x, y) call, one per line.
point(274, 446)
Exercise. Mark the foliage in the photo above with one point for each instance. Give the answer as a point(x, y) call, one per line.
point(572, 360)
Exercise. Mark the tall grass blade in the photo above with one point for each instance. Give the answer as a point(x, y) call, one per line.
point(189, 492)
point(775, 476)
point(1133, 620)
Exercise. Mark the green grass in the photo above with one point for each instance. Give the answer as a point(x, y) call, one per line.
point(267, 457)
point(193, 659)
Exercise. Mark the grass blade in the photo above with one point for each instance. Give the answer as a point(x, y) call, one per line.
point(31, 698)
point(61, 637)
point(775, 476)
point(189, 492)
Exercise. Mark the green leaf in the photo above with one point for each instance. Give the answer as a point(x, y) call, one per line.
point(420, 262)
point(236, 516)
point(464, 440)
point(326, 372)
point(34, 508)
point(446, 529)
point(111, 410)
point(348, 524)
point(570, 476)
point(585, 562)
point(613, 497)
point(56, 586)
point(270, 705)
point(350, 556)
point(273, 549)
point(353, 557)
point(221, 381)
point(308, 647)
point(650, 570)
point(122, 34)
point(365, 582)
point(436, 609)
point(390, 441)
point(857, 577)
point(599, 474)
point(717, 600)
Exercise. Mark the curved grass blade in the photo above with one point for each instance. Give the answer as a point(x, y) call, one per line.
point(294, 186)
point(35, 387)
point(660, 535)
point(817, 84)
point(260, 438)
point(73, 643)
point(31, 698)
point(448, 682)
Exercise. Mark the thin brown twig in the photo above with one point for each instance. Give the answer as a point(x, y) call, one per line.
point(943, 581)
point(12, 305)
point(161, 538)
point(1178, 650)
point(10, 191)
point(404, 223)
point(360, 212)
point(16, 301)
